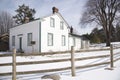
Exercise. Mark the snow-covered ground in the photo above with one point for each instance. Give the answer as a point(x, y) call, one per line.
point(99, 73)
point(93, 73)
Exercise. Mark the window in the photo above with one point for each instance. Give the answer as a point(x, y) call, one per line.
point(61, 25)
point(52, 22)
point(29, 39)
point(50, 39)
point(74, 42)
point(13, 40)
point(63, 40)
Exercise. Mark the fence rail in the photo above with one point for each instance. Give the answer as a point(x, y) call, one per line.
point(53, 53)
point(57, 69)
point(58, 60)
point(53, 61)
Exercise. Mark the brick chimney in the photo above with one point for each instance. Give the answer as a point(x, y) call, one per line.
point(55, 10)
point(71, 30)
point(26, 19)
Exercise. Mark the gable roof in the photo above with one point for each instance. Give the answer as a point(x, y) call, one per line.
point(59, 15)
point(75, 35)
point(25, 23)
point(79, 36)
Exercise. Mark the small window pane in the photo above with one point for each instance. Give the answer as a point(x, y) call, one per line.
point(61, 25)
point(13, 40)
point(74, 42)
point(29, 39)
point(63, 40)
point(52, 22)
point(50, 39)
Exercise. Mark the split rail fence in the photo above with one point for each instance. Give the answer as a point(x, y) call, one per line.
point(72, 59)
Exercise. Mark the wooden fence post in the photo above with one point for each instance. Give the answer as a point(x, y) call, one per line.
point(111, 56)
point(72, 61)
point(14, 65)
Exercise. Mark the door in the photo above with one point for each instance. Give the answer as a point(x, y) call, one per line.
point(20, 43)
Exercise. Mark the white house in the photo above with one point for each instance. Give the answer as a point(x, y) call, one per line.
point(47, 34)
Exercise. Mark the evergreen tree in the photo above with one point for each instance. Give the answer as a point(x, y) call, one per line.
point(24, 12)
point(95, 36)
point(98, 35)
point(118, 31)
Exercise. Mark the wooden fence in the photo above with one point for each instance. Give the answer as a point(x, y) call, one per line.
point(72, 59)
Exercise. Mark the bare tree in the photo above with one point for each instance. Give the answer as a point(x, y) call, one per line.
point(6, 22)
point(103, 12)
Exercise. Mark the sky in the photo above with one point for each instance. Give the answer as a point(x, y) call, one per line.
point(71, 10)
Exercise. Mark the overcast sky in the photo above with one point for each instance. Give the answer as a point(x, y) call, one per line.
point(71, 10)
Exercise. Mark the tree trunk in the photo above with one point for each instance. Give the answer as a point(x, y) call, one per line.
point(108, 38)
point(107, 42)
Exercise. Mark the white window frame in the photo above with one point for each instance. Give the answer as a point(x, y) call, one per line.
point(63, 40)
point(74, 42)
point(61, 25)
point(52, 22)
point(50, 39)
